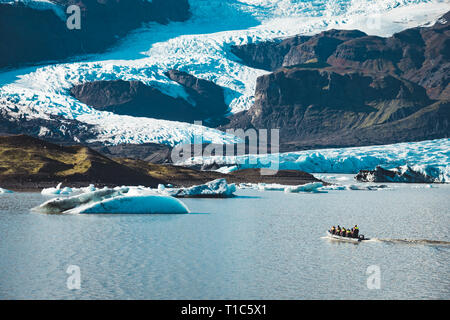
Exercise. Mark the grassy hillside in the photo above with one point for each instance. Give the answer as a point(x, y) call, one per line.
point(30, 163)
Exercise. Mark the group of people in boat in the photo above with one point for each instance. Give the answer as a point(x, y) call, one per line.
point(343, 232)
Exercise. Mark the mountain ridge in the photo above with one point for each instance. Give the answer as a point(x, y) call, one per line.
point(345, 88)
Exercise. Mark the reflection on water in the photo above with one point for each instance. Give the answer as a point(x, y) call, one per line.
point(260, 245)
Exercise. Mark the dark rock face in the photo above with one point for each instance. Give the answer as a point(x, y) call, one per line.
point(344, 88)
point(404, 174)
point(420, 55)
point(151, 152)
point(30, 36)
point(132, 98)
point(208, 97)
point(137, 99)
point(267, 55)
point(316, 108)
point(319, 47)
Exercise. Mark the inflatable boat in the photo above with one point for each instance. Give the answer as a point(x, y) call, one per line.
point(336, 237)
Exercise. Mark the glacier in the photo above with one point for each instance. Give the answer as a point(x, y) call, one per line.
point(199, 46)
point(431, 157)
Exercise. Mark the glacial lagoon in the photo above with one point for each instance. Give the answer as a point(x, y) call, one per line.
point(258, 245)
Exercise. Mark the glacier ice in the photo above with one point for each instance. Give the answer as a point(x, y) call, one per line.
point(66, 191)
point(198, 46)
point(431, 157)
point(117, 200)
point(406, 174)
point(309, 187)
point(218, 188)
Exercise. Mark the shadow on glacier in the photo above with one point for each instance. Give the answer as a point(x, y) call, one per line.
point(219, 16)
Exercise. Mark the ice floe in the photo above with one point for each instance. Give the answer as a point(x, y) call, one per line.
point(134, 199)
point(218, 188)
point(66, 191)
point(309, 187)
point(314, 187)
point(3, 191)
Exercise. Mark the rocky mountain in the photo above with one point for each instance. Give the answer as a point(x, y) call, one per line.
point(345, 88)
point(137, 99)
point(30, 35)
point(208, 97)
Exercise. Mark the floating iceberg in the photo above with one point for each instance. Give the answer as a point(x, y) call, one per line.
point(315, 187)
point(144, 204)
point(309, 187)
point(117, 200)
point(5, 191)
point(214, 189)
point(66, 191)
point(270, 187)
point(218, 188)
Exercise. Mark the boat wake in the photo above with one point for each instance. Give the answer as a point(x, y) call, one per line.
point(414, 241)
point(406, 241)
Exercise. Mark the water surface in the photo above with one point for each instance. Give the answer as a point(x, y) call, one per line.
point(260, 245)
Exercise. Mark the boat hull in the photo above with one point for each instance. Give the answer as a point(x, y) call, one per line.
point(335, 237)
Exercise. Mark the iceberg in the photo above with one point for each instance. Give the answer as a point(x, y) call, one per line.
point(118, 200)
point(2, 191)
point(270, 187)
point(144, 204)
point(66, 191)
point(315, 187)
point(309, 187)
point(218, 188)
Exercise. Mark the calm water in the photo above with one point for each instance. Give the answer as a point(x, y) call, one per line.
point(261, 245)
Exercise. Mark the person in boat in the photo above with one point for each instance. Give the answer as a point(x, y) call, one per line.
point(348, 233)
point(355, 231)
point(332, 230)
point(338, 230)
point(343, 231)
